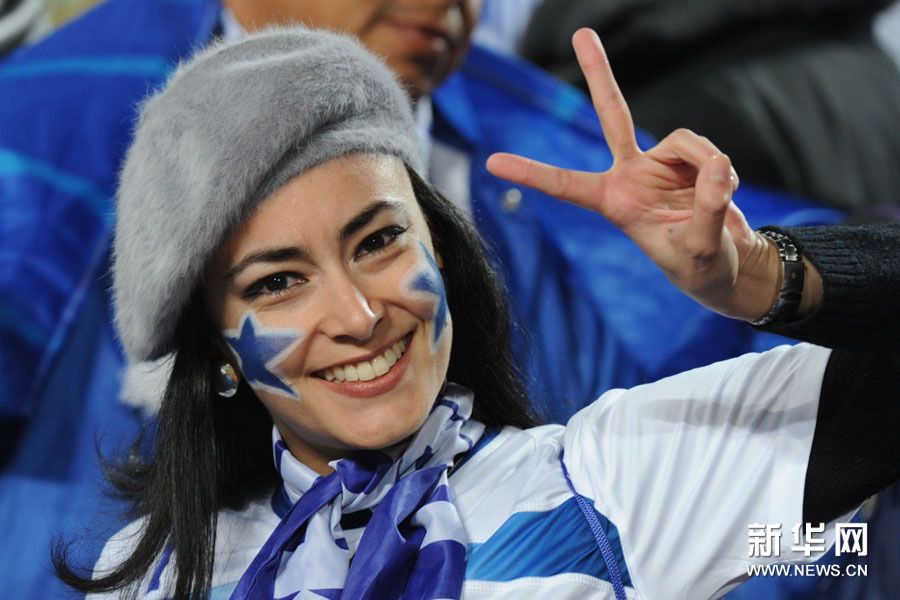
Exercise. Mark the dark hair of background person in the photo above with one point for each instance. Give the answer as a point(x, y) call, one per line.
point(213, 453)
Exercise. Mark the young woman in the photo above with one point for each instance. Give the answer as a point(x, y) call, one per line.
point(275, 236)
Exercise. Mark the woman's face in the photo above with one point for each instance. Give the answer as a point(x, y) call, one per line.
point(330, 298)
point(421, 40)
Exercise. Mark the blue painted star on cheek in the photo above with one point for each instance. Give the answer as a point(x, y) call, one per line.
point(431, 282)
point(259, 350)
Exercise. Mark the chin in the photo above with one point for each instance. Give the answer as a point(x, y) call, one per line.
point(377, 434)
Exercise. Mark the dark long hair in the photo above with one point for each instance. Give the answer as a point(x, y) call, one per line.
point(212, 452)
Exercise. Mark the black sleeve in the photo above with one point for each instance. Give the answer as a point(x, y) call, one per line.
point(860, 269)
point(856, 445)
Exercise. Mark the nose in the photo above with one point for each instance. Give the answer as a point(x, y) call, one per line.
point(349, 314)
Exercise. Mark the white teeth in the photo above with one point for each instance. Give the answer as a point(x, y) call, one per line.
point(367, 370)
point(380, 366)
point(390, 357)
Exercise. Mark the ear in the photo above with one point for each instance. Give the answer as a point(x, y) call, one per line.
point(220, 349)
point(438, 259)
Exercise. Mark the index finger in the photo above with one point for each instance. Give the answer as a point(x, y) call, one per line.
point(615, 118)
point(579, 187)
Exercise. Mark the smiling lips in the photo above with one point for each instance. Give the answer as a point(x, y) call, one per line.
point(368, 369)
point(370, 377)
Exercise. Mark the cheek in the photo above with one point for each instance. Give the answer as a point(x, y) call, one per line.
point(468, 15)
point(424, 285)
point(260, 350)
point(472, 11)
point(357, 17)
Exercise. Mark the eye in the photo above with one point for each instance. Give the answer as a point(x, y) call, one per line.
point(379, 240)
point(273, 285)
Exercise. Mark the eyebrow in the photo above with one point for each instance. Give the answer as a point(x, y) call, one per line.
point(269, 255)
point(370, 212)
point(275, 255)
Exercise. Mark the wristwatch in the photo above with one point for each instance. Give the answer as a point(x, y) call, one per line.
point(793, 272)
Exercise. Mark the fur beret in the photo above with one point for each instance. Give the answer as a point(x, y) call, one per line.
point(232, 125)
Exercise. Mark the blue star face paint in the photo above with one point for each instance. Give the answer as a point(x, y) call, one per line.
point(424, 282)
point(260, 350)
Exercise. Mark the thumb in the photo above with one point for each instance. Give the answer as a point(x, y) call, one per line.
point(715, 183)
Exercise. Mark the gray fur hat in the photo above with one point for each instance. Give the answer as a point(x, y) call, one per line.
point(231, 126)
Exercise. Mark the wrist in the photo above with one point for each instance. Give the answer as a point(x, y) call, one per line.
point(756, 282)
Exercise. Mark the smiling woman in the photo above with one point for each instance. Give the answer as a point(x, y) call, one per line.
point(313, 269)
point(343, 419)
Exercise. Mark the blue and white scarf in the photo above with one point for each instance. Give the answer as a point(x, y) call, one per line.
point(414, 544)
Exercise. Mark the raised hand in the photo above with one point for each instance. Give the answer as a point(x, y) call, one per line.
point(673, 200)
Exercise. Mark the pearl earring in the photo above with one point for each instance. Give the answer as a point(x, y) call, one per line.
point(227, 381)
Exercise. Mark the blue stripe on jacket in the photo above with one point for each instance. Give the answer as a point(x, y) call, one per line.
point(114, 66)
point(543, 544)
